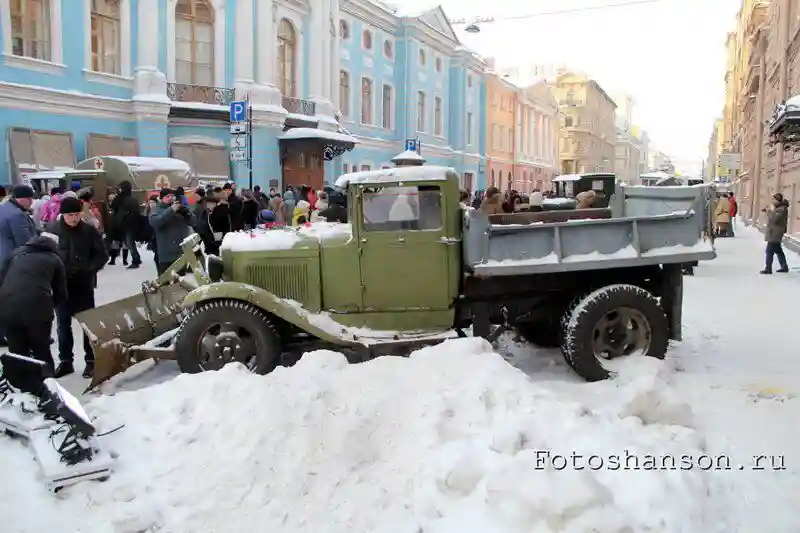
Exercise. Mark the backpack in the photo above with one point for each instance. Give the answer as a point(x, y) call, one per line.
point(51, 211)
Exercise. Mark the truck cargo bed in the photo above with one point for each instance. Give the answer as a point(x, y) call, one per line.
point(648, 226)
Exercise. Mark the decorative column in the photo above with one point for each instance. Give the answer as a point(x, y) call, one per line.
point(150, 103)
point(318, 56)
point(245, 42)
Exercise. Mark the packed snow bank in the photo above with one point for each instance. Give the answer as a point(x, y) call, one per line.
point(451, 439)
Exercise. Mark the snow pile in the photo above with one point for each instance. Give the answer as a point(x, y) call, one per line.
point(284, 238)
point(451, 439)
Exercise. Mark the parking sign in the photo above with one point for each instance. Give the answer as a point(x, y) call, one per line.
point(411, 145)
point(238, 112)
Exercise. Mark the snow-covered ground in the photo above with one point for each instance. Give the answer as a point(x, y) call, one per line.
point(454, 438)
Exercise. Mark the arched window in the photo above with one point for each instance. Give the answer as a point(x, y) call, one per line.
point(366, 40)
point(491, 183)
point(287, 52)
point(344, 30)
point(194, 43)
point(30, 29)
point(106, 36)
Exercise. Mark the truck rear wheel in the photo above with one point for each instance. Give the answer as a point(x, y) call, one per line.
point(613, 322)
point(226, 331)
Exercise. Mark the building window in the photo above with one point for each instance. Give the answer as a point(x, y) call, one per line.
point(30, 28)
point(469, 80)
point(194, 42)
point(420, 111)
point(568, 122)
point(366, 40)
point(422, 58)
point(437, 116)
point(345, 168)
point(106, 36)
point(469, 128)
point(287, 53)
point(365, 168)
point(388, 102)
point(366, 101)
point(344, 30)
point(510, 140)
point(439, 65)
point(388, 49)
point(344, 93)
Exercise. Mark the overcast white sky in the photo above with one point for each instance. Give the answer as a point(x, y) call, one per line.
point(669, 55)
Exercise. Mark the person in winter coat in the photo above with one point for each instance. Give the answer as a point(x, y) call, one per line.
point(289, 203)
point(126, 219)
point(115, 239)
point(235, 205)
point(777, 222)
point(276, 206)
point(212, 223)
point(585, 200)
point(302, 213)
point(322, 204)
point(336, 210)
point(171, 224)
point(16, 228)
point(250, 209)
point(81, 248)
point(734, 212)
point(50, 211)
point(722, 216)
point(91, 214)
point(492, 203)
point(33, 280)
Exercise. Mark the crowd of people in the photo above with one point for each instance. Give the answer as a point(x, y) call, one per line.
point(52, 248)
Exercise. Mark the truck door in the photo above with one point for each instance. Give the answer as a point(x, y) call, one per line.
point(404, 255)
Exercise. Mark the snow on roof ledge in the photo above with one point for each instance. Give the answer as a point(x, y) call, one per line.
point(314, 133)
point(408, 155)
point(152, 164)
point(394, 175)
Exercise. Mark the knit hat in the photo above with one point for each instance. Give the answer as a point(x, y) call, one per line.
point(265, 216)
point(778, 196)
point(71, 205)
point(165, 192)
point(22, 191)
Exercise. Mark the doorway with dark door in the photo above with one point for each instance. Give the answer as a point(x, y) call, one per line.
point(304, 167)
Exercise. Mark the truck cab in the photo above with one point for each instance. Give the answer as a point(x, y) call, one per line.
point(395, 266)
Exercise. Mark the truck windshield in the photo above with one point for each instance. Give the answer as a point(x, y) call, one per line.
point(402, 208)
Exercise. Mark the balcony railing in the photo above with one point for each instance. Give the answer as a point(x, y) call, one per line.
point(202, 94)
point(571, 102)
point(299, 107)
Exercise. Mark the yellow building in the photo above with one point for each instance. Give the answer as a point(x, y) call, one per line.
point(588, 132)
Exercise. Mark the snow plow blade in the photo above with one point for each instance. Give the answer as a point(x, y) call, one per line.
point(119, 331)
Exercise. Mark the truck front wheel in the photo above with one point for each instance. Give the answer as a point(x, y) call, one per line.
point(613, 322)
point(227, 331)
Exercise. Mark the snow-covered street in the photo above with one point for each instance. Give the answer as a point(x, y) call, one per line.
point(453, 438)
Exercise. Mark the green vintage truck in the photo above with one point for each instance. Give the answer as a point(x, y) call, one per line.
point(414, 267)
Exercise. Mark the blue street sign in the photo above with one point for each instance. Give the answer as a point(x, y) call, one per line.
point(238, 111)
point(411, 145)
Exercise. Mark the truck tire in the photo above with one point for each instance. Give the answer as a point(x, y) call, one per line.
point(225, 331)
point(614, 321)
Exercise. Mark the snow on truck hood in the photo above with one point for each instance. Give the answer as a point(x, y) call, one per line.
point(450, 440)
point(263, 240)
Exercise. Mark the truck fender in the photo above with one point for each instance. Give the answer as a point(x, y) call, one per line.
point(266, 301)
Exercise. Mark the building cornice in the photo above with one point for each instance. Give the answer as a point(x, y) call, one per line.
point(45, 100)
point(372, 13)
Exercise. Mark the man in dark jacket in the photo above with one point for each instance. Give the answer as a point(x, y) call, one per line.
point(83, 253)
point(16, 228)
point(171, 224)
point(336, 210)
point(126, 218)
point(32, 284)
point(777, 220)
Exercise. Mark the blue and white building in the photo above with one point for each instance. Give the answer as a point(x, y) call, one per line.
point(406, 76)
point(332, 86)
